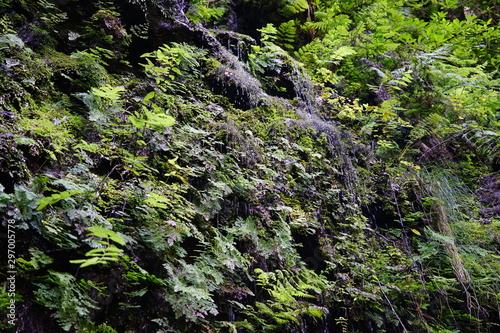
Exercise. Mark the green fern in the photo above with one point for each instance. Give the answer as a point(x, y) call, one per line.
point(200, 11)
point(268, 33)
point(486, 142)
point(172, 65)
point(291, 292)
point(341, 53)
point(102, 255)
point(292, 7)
point(306, 53)
point(140, 30)
point(287, 33)
point(148, 119)
point(69, 298)
point(328, 19)
point(55, 198)
point(108, 92)
point(190, 288)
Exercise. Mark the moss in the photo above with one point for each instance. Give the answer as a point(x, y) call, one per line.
point(13, 164)
point(24, 68)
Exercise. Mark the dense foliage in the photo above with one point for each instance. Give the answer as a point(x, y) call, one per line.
point(251, 166)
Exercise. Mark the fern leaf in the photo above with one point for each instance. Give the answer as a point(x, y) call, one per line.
point(292, 7)
point(109, 92)
point(287, 33)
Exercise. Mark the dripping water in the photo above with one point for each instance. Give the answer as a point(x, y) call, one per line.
point(340, 142)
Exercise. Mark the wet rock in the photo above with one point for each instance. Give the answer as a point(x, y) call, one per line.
point(489, 194)
point(12, 163)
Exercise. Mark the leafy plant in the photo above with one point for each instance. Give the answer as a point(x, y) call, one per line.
point(291, 7)
point(68, 297)
point(175, 61)
point(55, 198)
point(289, 291)
point(102, 255)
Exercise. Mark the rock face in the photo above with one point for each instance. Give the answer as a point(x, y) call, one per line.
point(489, 194)
point(208, 181)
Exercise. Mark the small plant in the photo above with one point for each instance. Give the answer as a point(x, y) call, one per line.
point(55, 198)
point(69, 298)
point(102, 255)
point(292, 295)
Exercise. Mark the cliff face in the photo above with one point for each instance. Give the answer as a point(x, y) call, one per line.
point(170, 166)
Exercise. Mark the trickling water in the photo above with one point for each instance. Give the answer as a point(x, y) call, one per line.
point(232, 73)
point(247, 92)
point(239, 50)
point(341, 143)
point(303, 87)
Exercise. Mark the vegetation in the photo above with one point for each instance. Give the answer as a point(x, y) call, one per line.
point(251, 166)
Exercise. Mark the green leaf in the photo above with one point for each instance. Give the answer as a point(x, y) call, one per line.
point(95, 252)
point(342, 52)
point(156, 200)
point(54, 198)
point(89, 262)
point(159, 119)
point(101, 232)
point(109, 92)
point(416, 232)
point(149, 96)
point(78, 261)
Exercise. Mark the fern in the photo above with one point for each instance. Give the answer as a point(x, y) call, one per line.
point(485, 141)
point(306, 53)
point(148, 119)
point(108, 92)
point(102, 255)
point(289, 291)
point(328, 20)
point(56, 197)
point(292, 7)
point(287, 33)
point(38, 260)
point(268, 33)
point(69, 298)
point(200, 11)
point(225, 253)
point(140, 30)
point(341, 53)
point(191, 286)
point(171, 65)
point(434, 124)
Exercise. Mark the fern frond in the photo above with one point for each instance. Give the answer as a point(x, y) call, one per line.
point(292, 7)
point(429, 57)
point(328, 19)
point(306, 53)
point(287, 33)
point(486, 143)
point(140, 30)
point(291, 292)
